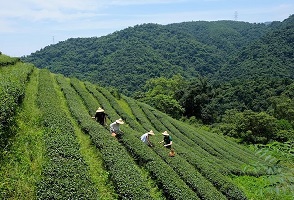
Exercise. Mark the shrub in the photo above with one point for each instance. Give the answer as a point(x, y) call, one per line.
point(65, 174)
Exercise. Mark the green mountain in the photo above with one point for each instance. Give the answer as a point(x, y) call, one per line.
point(51, 148)
point(271, 56)
point(127, 58)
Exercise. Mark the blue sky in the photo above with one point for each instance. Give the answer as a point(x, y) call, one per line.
point(29, 25)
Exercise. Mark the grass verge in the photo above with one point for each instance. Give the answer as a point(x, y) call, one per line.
point(92, 157)
point(21, 167)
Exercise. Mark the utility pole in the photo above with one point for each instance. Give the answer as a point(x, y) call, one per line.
point(53, 39)
point(236, 16)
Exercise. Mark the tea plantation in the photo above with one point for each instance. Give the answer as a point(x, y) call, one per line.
point(51, 148)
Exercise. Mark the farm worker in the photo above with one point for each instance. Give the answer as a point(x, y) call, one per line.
point(100, 116)
point(114, 127)
point(167, 139)
point(145, 138)
point(172, 153)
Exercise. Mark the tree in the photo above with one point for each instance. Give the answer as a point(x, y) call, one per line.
point(195, 99)
point(251, 127)
point(282, 106)
point(161, 94)
point(258, 127)
point(166, 104)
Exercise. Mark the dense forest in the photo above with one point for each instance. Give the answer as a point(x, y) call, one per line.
point(126, 59)
point(221, 73)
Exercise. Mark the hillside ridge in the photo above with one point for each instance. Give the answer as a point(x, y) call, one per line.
point(150, 50)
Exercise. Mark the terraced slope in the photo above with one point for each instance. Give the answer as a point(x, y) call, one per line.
point(70, 156)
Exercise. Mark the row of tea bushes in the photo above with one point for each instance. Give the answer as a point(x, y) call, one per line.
point(226, 163)
point(13, 80)
point(230, 161)
point(113, 102)
point(101, 99)
point(88, 99)
point(203, 187)
point(185, 171)
point(65, 173)
point(141, 118)
point(125, 174)
point(206, 139)
point(206, 190)
point(221, 182)
point(7, 60)
point(170, 182)
point(225, 147)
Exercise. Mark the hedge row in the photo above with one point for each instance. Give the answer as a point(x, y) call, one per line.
point(125, 174)
point(167, 179)
point(64, 174)
point(186, 171)
point(89, 100)
point(113, 102)
point(229, 159)
point(224, 163)
point(170, 182)
point(236, 150)
point(13, 80)
point(7, 60)
point(242, 156)
point(102, 101)
point(139, 115)
point(221, 182)
point(187, 145)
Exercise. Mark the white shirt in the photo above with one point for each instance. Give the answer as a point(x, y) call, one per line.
point(114, 127)
point(144, 138)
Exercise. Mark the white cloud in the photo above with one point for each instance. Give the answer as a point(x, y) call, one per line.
point(66, 13)
point(22, 15)
point(143, 2)
point(59, 10)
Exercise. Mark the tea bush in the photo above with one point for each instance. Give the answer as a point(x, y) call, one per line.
point(64, 175)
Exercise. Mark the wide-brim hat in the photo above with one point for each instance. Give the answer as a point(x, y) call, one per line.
point(165, 133)
point(99, 110)
point(120, 121)
point(151, 133)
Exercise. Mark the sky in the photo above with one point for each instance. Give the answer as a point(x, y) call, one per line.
point(30, 25)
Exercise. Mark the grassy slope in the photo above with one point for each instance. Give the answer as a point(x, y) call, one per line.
point(22, 164)
point(92, 102)
point(92, 157)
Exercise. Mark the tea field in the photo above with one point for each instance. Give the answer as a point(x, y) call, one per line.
point(51, 148)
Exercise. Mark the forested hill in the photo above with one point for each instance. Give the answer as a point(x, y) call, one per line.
point(126, 59)
point(272, 56)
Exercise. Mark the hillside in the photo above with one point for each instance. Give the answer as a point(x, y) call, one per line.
point(51, 148)
point(126, 59)
point(271, 57)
